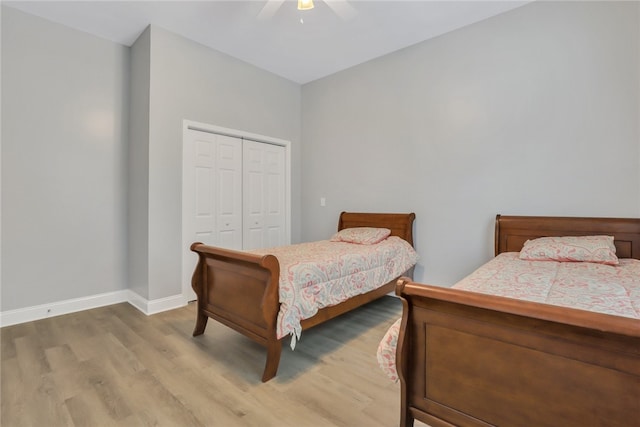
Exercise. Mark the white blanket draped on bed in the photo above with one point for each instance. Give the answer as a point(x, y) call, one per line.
point(324, 273)
point(583, 285)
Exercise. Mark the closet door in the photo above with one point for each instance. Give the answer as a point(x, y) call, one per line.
point(228, 201)
point(216, 198)
point(263, 195)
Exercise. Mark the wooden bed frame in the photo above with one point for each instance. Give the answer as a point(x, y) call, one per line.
point(469, 359)
point(240, 289)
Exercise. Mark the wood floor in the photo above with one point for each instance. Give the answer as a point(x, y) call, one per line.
point(114, 366)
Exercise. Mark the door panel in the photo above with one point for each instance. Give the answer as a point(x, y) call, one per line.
point(204, 188)
point(216, 189)
point(275, 195)
point(253, 191)
point(264, 198)
point(229, 192)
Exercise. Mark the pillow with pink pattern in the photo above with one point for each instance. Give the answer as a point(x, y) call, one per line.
point(598, 249)
point(361, 235)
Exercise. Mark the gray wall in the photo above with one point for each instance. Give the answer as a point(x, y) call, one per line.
point(64, 123)
point(531, 112)
point(138, 165)
point(191, 81)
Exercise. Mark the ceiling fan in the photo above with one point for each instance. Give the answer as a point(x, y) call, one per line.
point(340, 7)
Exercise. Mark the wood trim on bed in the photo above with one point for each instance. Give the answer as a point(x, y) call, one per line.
point(240, 289)
point(472, 359)
point(401, 225)
point(512, 231)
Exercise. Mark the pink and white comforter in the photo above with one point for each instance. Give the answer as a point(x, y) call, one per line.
point(321, 274)
point(583, 285)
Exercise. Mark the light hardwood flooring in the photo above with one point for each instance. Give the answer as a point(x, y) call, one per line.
point(114, 366)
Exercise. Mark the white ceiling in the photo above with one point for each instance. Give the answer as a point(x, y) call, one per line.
point(335, 35)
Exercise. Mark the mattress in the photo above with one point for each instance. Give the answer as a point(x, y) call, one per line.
point(587, 286)
point(320, 274)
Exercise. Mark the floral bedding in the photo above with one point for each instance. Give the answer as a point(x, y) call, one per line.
point(321, 274)
point(584, 285)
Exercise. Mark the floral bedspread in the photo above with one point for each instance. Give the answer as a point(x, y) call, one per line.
point(583, 285)
point(321, 274)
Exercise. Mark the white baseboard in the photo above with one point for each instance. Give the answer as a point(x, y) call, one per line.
point(37, 312)
point(156, 306)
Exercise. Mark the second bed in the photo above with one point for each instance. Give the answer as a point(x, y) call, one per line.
point(547, 333)
point(269, 294)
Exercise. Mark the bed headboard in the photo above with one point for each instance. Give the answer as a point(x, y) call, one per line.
point(513, 231)
point(400, 224)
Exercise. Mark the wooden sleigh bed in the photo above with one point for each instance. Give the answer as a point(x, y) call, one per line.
point(241, 289)
point(471, 359)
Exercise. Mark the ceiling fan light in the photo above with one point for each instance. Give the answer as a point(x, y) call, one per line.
point(305, 4)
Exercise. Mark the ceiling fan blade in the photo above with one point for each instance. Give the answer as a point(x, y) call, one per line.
point(270, 9)
point(342, 8)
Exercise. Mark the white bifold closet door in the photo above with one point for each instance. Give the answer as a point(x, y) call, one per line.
point(264, 186)
point(218, 189)
point(234, 192)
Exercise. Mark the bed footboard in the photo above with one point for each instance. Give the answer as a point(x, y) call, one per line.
point(240, 290)
point(471, 359)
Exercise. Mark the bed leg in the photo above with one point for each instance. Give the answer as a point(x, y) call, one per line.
point(406, 420)
point(201, 324)
point(274, 349)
